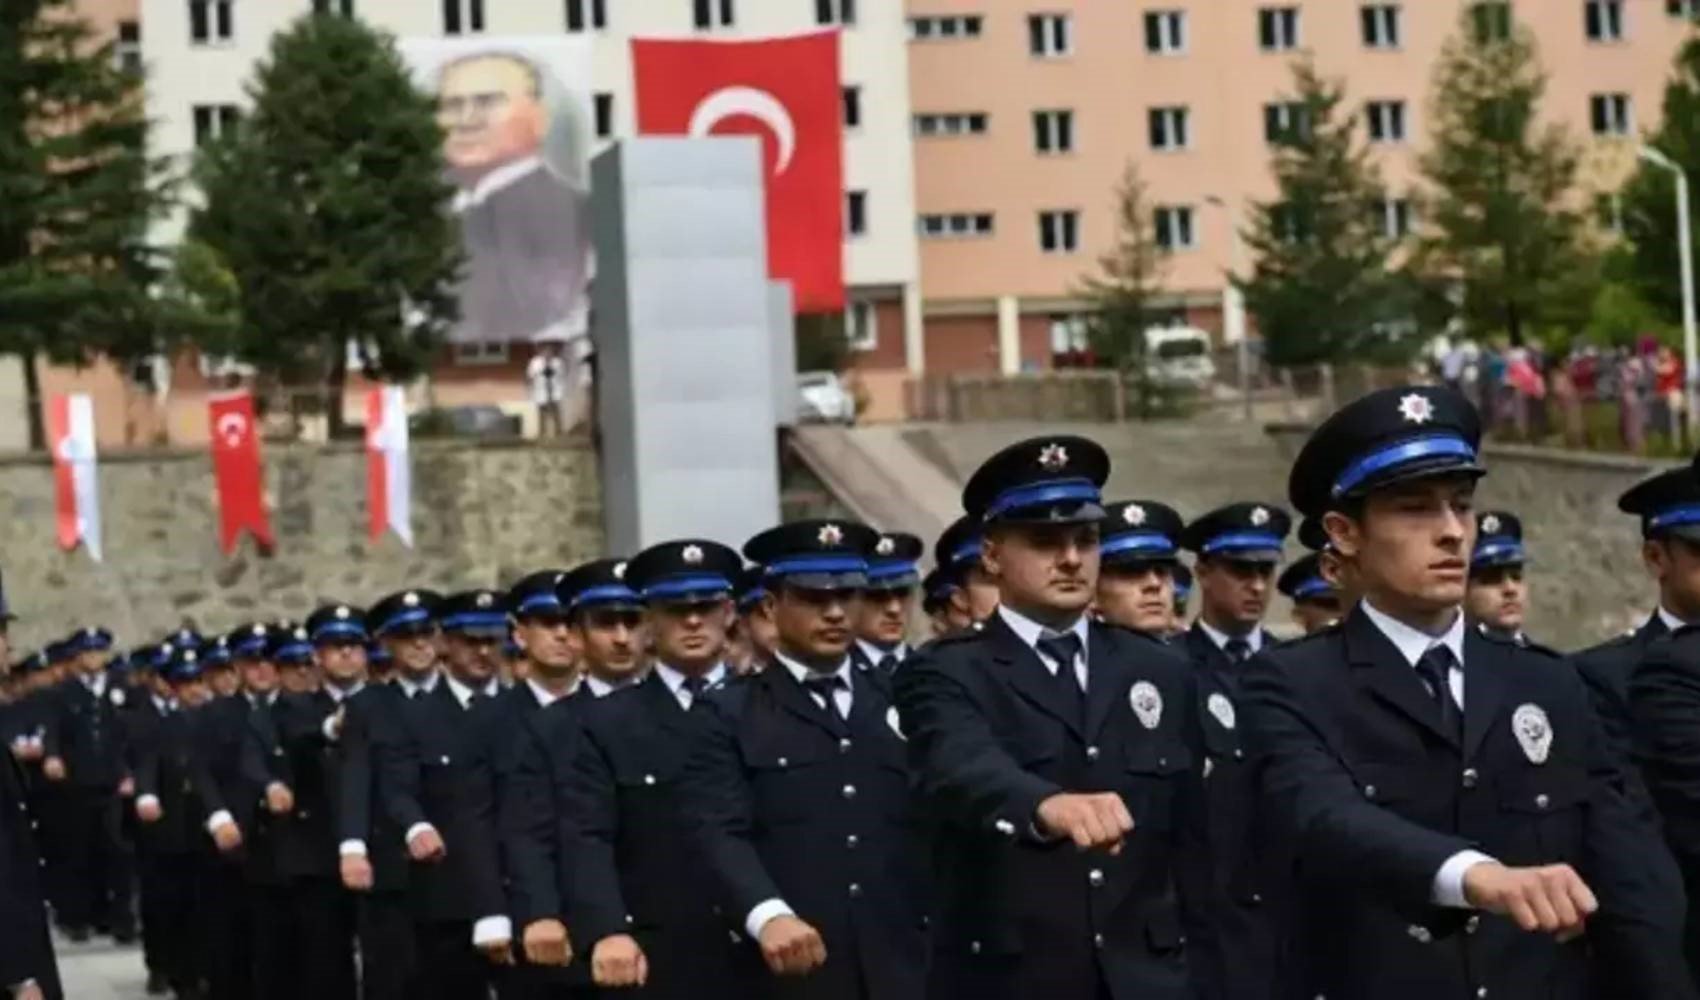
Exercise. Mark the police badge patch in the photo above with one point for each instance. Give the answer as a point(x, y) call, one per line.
point(1534, 733)
point(1221, 708)
point(1147, 703)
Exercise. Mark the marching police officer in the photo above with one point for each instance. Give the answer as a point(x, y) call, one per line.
point(1497, 597)
point(160, 873)
point(27, 967)
point(973, 593)
point(604, 634)
point(882, 624)
point(1183, 595)
point(1448, 796)
point(1138, 552)
point(935, 601)
point(1062, 759)
point(1316, 604)
point(1238, 548)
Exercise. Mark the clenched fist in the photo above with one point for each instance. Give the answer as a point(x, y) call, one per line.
point(53, 769)
point(148, 810)
point(356, 871)
point(791, 947)
point(618, 961)
point(228, 836)
point(426, 845)
point(1551, 899)
point(280, 801)
point(546, 943)
point(1092, 821)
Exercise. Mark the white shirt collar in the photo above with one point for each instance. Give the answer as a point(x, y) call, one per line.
point(803, 673)
point(1030, 631)
point(411, 687)
point(600, 688)
point(1253, 639)
point(340, 695)
point(496, 180)
point(875, 654)
point(463, 693)
point(1413, 643)
point(1671, 621)
point(270, 697)
point(163, 705)
point(95, 683)
point(546, 697)
point(675, 680)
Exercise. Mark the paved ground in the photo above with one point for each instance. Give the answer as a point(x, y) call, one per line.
point(100, 970)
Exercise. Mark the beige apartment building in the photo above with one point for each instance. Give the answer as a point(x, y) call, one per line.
point(1026, 112)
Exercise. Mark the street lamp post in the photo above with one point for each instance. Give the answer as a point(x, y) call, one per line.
point(1685, 257)
point(1233, 302)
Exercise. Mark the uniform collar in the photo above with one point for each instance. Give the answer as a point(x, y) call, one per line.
point(1252, 639)
point(95, 683)
point(546, 697)
point(600, 688)
point(1413, 643)
point(1030, 631)
point(340, 695)
point(676, 680)
point(875, 653)
point(803, 673)
point(270, 698)
point(463, 693)
point(1671, 622)
point(412, 687)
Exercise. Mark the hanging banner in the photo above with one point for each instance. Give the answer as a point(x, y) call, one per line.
point(70, 427)
point(236, 471)
point(389, 474)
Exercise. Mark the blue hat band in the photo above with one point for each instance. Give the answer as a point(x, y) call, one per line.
point(1143, 542)
point(1500, 551)
point(539, 602)
point(700, 583)
point(878, 571)
point(1688, 513)
point(968, 551)
point(1432, 446)
point(475, 619)
point(1181, 591)
point(606, 593)
point(293, 650)
point(255, 646)
point(412, 616)
point(1311, 587)
point(750, 597)
point(1036, 494)
point(1243, 541)
point(815, 564)
point(341, 629)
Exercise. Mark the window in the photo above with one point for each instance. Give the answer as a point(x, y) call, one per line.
point(1165, 31)
point(489, 352)
point(713, 14)
point(861, 325)
point(856, 212)
point(1048, 35)
point(1070, 340)
point(463, 17)
point(1287, 223)
point(1609, 114)
point(1168, 128)
point(1278, 28)
point(1603, 20)
point(214, 120)
point(957, 225)
point(210, 21)
point(927, 28)
point(835, 12)
point(1492, 21)
point(852, 98)
point(1683, 8)
point(1284, 120)
point(127, 53)
point(959, 123)
point(1608, 212)
point(1174, 227)
point(1381, 25)
point(1059, 231)
point(604, 102)
point(1396, 218)
point(342, 7)
point(1386, 121)
point(587, 15)
point(1053, 131)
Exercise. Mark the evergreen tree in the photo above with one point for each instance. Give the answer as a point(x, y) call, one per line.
point(1128, 281)
point(1322, 286)
point(1504, 229)
point(329, 209)
point(1649, 197)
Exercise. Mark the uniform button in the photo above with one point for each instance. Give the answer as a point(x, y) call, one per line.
point(851, 842)
point(304, 814)
point(1091, 753)
point(1097, 940)
point(783, 762)
point(1369, 791)
point(1257, 897)
point(1541, 801)
point(1162, 762)
point(1470, 777)
point(849, 791)
point(1481, 991)
point(1095, 878)
point(649, 779)
point(974, 947)
point(844, 745)
point(1239, 754)
point(444, 760)
point(1004, 827)
point(1421, 934)
point(1471, 924)
point(629, 919)
point(855, 891)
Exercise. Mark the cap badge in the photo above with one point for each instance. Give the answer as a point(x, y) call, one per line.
point(1490, 524)
point(619, 571)
point(1259, 516)
point(1416, 408)
point(483, 600)
point(188, 656)
point(1053, 457)
point(885, 547)
point(1533, 731)
point(830, 535)
point(259, 630)
point(692, 555)
point(1134, 514)
point(301, 634)
point(410, 599)
point(342, 613)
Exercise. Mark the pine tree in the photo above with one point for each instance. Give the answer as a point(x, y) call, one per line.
point(329, 209)
point(1505, 229)
point(1323, 286)
point(1128, 281)
point(1649, 197)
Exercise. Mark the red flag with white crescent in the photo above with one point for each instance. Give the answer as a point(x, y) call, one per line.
point(389, 476)
point(76, 489)
point(786, 90)
point(236, 470)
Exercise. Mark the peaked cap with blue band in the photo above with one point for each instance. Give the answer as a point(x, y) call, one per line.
point(1667, 504)
point(89, 640)
point(600, 583)
point(248, 642)
point(185, 665)
point(894, 563)
point(1303, 581)
point(404, 612)
point(1247, 532)
point(337, 623)
point(1183, 583)
point(751, 587)
point(1140, 531)
point(816, 555)
point(537, 595)
point(186, 638)
point(1388, 436)
point(958, 549)
point(214, 653)
point(684, 571)
point(290, 647)
point(475, 613)
point(1499, 541)
point(1046, 480)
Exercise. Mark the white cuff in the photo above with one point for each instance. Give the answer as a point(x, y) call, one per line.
point(351, 849)
point(417, 829)
point(492, 930)
point(218, 819)
point(143, 800)
point(1449, 881)
point(764, 912)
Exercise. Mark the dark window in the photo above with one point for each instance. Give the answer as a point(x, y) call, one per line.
point(451, 17)
point(852, 98)
point(1492, 21)
point(856, 212)
point(604, 115)
point(586, 15)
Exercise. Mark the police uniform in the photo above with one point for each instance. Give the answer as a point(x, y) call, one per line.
point(1499, 545)
point(1396, 760)
point(26, 950)
point(1002, 717)
point(144, 722)
point(893, 570)
point(1135, 535)
point(1303, 581)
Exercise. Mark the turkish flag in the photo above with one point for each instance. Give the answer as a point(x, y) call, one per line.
point(236, 470)
point(786, 90)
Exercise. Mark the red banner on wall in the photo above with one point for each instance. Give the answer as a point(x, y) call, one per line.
point(236, 471)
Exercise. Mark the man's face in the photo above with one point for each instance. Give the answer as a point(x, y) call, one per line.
point(1411, 545)
point(1316, 613)
point(1498, 596)
point(608, 640)
point(258, 676)
point(813, 626)
point(223, 680)
point(414, 653)
point(192, 694)
point(547, 644)
point(344, 663)
point(490, 110)
point(979, 595)
point(1043, 567)
point(473, 658)
point(759, 630)
point(90, 662)
point(1234, 593)
point(689, 636)
point(1675, 563)
point(1138, 596)
point(884, 616)
point(299, 678)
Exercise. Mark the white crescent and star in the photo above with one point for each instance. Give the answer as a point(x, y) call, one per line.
point(232, 428)
point(751, 102)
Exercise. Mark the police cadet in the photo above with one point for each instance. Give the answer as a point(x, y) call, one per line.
point(604, 634)
point(1183, 595)
point(1425, 770)
point(158, 872)
point(803, 807)
point(750, 643)
point(882, 623)
point(219, 668)
point(957, 555)
point(638, 896)
point(1316, 604)
point(1497, 598)
point(1062, 759)
point(1238, 547)
point(1138, 551)
point(935, 601)
point(84, 753)
point(27, 967)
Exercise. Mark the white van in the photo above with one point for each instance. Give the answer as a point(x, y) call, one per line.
point(1179, 356)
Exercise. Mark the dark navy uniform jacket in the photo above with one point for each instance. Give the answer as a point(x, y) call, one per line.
point(1377, 795)
point(368, 715)
point(1605, 670)
point(26, 951)
point(163, 765)
point(86, 731)
point(1020, 916)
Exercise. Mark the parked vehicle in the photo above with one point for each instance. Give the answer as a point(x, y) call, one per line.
point(822, 397)
point(1179, 356)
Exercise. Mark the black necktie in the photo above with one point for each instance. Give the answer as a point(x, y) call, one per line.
point(477, 698)
point(1435, 668)
point(1238, 649)
point(887, 664)
point(1062, 650)
point(826, 688)
point(696, 686)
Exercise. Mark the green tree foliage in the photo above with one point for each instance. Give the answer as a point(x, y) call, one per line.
point(1504, 230)
point(1323, 286)
point(1123, 292)
point(329, 210)
point(1649, 198)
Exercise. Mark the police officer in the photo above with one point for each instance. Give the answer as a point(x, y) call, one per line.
point(27, 967)
point(1316, 604)
point(1451, 804)
point(144, 720)
point(750, 643)
point(803, 809)
point(1138, 552)
point(1497, 598)
point(604, 633)
point(935, 601)
point(1183, 596)
point(957, 555)
point(1238, 547)
point(882, 624)
point(1062, 758)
